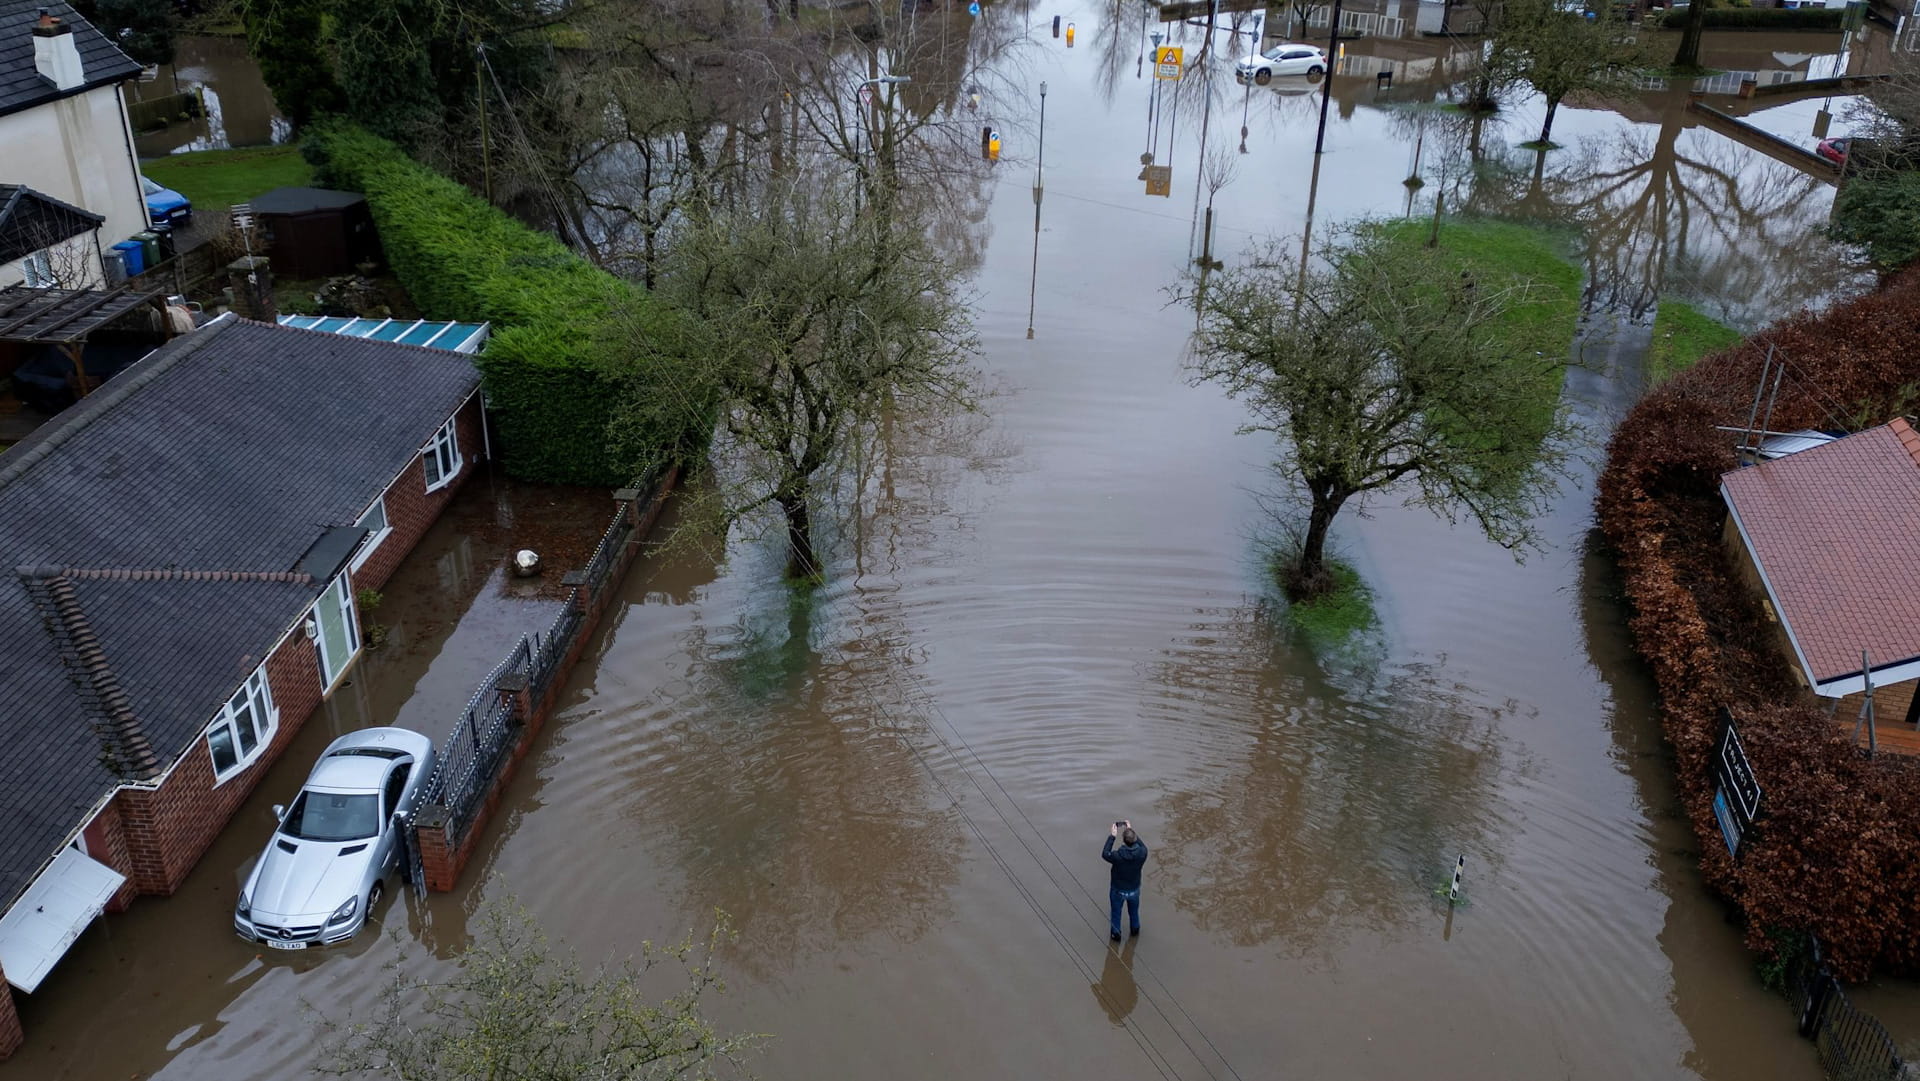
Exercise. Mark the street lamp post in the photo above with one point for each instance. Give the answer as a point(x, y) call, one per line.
point(1041, 165)
point(1039, 192)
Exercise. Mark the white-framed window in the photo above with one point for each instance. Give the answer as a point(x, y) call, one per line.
point(38, 268)
point(375, 520)
point(442, 456)
point(243, 727)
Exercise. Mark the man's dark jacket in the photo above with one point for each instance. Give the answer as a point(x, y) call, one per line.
point(1127, 861)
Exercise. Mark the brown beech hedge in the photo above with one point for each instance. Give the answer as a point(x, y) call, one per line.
point(1836, 850)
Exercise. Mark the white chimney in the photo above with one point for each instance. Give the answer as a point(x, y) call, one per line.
point(55, 54)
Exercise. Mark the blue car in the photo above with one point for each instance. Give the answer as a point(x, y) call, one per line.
point(165, 207)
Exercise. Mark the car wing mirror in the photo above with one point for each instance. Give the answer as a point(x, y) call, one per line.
point(280, 812)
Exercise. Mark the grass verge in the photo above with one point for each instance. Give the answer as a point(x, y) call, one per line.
point(1505, 253)
point(1682, 334)
point(1337, 615)
point(216, 179)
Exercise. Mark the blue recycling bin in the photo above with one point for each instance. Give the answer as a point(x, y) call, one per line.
point(134, 254)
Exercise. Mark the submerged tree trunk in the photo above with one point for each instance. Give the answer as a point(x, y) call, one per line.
point(1310, 578)
point(801, 564)
point(1687, 57)
point(1546, 126)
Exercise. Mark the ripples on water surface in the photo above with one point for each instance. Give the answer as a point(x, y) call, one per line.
point(1050, 618)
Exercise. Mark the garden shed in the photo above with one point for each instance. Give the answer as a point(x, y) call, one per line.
point(314, 232)
point(1830, 536)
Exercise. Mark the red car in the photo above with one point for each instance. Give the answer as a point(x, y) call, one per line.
point(1834, 150)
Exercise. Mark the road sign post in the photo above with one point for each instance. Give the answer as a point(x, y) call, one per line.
point(1166, 63)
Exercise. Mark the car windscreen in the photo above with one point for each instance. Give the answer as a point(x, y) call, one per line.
point(149, 187)
point(328, 816)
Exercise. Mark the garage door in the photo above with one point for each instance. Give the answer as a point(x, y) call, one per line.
point(46, 919)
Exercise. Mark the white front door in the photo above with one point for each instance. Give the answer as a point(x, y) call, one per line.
point(338, 637)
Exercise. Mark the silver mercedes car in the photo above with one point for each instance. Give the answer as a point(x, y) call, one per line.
point(322, 873)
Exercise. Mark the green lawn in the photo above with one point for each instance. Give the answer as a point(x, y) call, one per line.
point(216, 179)
point(1681, 336)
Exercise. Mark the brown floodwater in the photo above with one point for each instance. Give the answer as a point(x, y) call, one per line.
point(239, 109)
point(1053, 616)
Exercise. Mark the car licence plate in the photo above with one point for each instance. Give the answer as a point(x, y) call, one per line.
point(274, 943)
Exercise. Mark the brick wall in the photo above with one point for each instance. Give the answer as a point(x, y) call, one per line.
point(411, 508)
point(168, 828)
point(106, 841)
point(11, 1036)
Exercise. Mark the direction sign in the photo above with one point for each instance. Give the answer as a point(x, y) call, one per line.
point(1737, 775)
point(1166, 62)
point(1736, 797)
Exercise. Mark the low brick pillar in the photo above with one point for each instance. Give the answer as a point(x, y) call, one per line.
point(515, 694)
point(437, 863)
point(627, 497)
point(12, 1036)
point(252, 284)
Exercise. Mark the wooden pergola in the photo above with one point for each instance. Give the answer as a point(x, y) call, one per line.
point(65, 317)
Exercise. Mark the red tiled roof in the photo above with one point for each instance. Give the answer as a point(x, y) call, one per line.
point(1836, 530)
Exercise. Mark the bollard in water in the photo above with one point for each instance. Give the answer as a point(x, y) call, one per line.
point(993, 146)
point(1453, 892)
point(1069, 35)
point(1056, 26)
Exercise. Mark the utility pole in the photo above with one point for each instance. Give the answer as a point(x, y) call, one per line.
point(1326, 88)
point(486, 153)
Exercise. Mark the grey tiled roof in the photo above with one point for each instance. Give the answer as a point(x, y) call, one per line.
point(231, 449)
point(31, 220)
point(21, 84)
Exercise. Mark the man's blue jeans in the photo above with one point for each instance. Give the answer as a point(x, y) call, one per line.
point(1131, 898)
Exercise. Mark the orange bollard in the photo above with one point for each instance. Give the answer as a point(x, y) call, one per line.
point(1069, 35)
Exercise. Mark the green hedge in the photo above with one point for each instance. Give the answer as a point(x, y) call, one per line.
point(546, 369)
point(1881, 211)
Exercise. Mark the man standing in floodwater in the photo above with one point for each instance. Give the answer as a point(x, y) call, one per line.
point(1124, 887)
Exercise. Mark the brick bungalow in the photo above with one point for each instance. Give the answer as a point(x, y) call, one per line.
point(179, 559)
point(1830, 536)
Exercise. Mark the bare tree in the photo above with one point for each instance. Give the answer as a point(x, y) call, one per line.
point(1560, 52)
point(513, 1007)
point(1388, 366)
point(812, 321)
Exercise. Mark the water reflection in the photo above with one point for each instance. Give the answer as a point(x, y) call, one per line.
point(1341, 800)
point(1710, 970)
point(1664, 208)
point(782, 783)
point(239, 109)
point(1115, 991)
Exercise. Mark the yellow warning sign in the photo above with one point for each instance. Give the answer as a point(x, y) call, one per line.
point(1166, 62)
point(1159, 180)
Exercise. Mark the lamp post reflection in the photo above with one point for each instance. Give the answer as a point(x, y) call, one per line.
point(1039, 192)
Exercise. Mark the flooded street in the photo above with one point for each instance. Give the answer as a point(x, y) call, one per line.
point(1053, 616)
point(239, 109)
